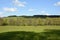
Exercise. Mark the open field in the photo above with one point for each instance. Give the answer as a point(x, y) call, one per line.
point(27, 28)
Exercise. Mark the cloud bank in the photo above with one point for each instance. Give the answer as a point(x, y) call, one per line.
point(57, 3)
point(19, 3)
point(9, 9)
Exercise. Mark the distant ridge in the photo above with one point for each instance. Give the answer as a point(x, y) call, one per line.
point(46, 15)
point(41, 16)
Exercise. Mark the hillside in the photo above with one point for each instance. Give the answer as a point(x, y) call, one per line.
point(30, 20)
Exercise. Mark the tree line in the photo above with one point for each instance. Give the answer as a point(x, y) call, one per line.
point(29, 21)
point(36, 16)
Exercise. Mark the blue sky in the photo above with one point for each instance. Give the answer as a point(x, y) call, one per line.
point(29, 7)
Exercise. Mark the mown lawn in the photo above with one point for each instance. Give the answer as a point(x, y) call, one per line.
point(27, 28)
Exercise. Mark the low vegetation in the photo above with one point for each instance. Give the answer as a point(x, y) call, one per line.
point(35, 27)
point(23, 35)
point(30, 20)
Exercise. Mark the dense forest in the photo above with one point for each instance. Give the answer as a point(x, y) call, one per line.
point(35, 20)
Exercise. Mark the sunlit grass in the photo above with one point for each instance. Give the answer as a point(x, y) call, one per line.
point(27, 28)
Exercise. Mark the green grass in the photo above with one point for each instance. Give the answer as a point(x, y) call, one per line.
point(23, 35)
point(29, 33)
point(27, 28)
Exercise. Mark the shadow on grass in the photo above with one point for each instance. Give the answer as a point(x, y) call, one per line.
point(17, 35)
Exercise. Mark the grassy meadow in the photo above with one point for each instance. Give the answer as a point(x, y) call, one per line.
point(27, 28)
point(29, 32)
point(30, 28)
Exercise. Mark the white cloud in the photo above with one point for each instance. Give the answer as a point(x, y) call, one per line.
point(19, 3)
point(9, 9)
point(57, 4)
point(47, 14)
point(1, 14)
point(58, 12)
point(31, 9)
point(44, 13)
